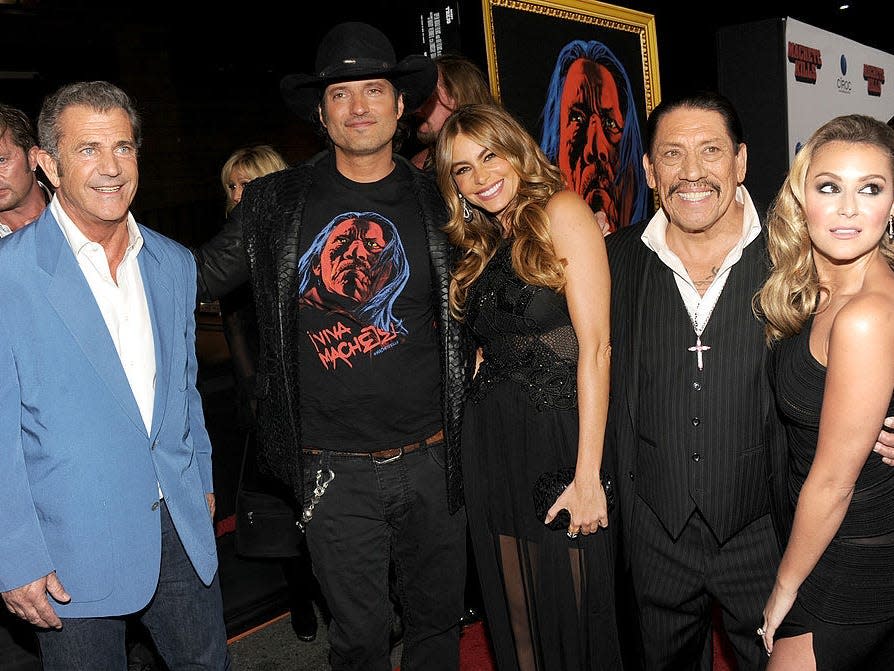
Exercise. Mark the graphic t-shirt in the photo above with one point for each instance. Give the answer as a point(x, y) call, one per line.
point(369, 371)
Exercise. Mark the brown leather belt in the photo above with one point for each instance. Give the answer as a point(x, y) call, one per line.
point(384, 456)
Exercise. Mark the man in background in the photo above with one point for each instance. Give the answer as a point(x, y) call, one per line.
point(22, 196)
point(460, 82)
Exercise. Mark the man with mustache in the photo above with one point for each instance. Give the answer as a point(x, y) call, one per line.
point(701, 454)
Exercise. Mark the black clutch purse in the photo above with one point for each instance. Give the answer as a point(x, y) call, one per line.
point(552, 483)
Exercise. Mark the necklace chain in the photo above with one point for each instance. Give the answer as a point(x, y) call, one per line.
point(699, 328)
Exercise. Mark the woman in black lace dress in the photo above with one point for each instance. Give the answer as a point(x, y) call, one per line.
point(532, 285)
point(829, 308)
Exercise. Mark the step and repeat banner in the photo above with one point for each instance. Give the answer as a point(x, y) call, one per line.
point(828, 75)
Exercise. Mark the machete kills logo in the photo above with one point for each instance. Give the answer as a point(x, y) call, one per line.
point(875, 77)
point(807, 61)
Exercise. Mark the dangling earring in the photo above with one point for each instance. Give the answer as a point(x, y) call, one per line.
point(467, 211)
point(891, 227)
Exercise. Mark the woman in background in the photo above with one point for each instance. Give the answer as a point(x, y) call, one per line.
point(237, 308)
point(829, 311)
point(532, 285)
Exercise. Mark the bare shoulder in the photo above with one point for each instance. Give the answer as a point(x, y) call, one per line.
point(869, 315)
point(565, 203)
point(569, 214)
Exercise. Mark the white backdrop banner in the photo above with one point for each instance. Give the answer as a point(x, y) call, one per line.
point(828, 75)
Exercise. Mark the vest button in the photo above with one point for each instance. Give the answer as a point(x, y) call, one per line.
point(696, 421)
point(696, 386)
point(696, 456)
point(155, 506)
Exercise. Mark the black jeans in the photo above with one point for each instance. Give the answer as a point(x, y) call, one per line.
point(373, 513)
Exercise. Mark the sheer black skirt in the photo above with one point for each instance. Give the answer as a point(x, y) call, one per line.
point(549, 600)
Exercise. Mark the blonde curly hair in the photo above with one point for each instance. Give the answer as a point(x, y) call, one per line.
point(533, 256)
point(793, 291)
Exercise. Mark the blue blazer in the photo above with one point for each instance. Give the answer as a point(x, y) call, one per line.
point(78, 470)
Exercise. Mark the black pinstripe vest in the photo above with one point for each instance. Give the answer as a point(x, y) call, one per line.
point(685, 438)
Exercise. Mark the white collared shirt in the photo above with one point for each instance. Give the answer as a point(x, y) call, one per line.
point(698, 306)
point(123, 305)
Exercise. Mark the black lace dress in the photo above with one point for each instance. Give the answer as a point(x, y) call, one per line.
point(549, 600)
point(847, 601)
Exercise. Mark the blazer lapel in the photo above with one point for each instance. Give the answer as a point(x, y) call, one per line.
point(160, 294)
point(70, 296)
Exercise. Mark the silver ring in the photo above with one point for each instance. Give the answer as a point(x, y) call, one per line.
point(760, 631)
point(571, 535)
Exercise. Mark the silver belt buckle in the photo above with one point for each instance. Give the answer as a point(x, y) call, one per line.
point(388, 460)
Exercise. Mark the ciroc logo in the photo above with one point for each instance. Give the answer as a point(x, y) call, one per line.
point(844, 85)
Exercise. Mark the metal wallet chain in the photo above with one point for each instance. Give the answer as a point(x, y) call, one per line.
point(324, 477)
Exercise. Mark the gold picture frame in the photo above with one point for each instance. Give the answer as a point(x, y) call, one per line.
point(529, 47)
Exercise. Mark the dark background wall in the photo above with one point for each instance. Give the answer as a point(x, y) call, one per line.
point(205, 90)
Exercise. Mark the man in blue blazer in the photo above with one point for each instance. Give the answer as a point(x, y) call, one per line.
point(104, 456)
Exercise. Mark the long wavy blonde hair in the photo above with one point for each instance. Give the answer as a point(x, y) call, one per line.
point(793, 291)
point(533, 256)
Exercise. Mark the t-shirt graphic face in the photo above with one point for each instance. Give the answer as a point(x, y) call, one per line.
point(355, 267)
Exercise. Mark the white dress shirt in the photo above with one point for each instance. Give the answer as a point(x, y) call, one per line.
point(700, 307)
point(122, 303)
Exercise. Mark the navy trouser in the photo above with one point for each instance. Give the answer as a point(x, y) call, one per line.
point(184, 618)
point(373, 513)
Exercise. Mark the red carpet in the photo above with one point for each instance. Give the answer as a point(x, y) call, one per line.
point(474, 650)
point(724, 660)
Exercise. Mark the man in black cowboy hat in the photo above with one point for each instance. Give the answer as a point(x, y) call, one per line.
point(360, 416)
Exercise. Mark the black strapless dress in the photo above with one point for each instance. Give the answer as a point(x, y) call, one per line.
point(847, 601)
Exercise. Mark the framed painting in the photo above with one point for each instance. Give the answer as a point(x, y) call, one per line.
point(582, 77)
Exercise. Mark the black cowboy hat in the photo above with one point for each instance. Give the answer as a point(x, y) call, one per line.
point(356, 51)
